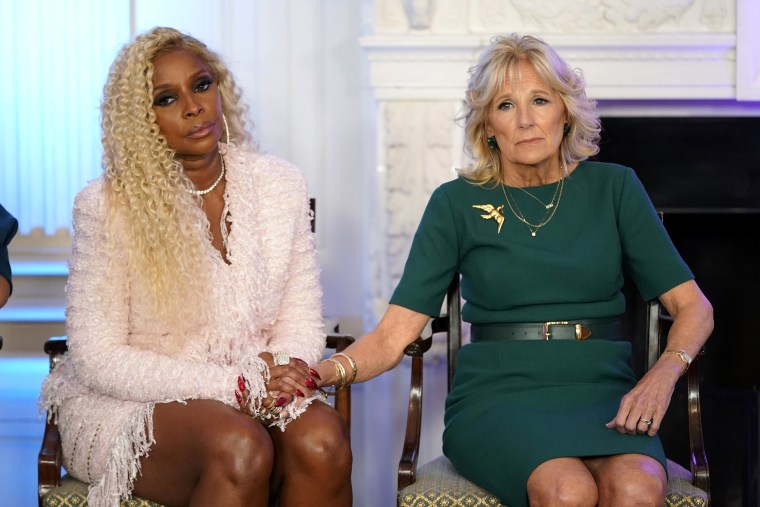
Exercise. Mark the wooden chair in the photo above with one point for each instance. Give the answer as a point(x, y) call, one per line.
point(438, 483)
point(56, 491)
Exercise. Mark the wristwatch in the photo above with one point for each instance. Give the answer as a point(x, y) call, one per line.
point(686, 358)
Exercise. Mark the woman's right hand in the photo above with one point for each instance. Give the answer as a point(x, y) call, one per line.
point(289, 378)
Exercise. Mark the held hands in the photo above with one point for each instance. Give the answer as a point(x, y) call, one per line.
point(289, 379)
point(643, 408)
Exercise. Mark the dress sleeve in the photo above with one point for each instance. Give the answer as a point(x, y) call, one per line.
point(649, 254)
point(433, 258)
point(97, 319)
point(8, 228)
point(299, 327)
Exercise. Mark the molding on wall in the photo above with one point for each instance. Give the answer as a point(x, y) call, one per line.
point(616, 67)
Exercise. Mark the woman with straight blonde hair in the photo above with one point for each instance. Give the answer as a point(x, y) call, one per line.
point(544, 408)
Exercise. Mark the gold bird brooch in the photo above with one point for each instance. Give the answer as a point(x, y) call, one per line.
point(492, 212)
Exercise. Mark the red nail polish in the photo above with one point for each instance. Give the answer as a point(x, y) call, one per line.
point(314, 373)
point(238, 397)
point(241, 383)
point(310, 383)
point(281, 401)
point(300, 393)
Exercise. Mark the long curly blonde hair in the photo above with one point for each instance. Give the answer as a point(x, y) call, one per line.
point(147, 189)
point(496, 63)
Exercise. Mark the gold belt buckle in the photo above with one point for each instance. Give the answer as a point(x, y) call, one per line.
point(579, 330)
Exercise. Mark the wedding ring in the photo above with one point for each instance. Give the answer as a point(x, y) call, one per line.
point(281, 358)
point(648, 422)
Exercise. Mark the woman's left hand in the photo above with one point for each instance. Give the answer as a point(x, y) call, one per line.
point(643, 408)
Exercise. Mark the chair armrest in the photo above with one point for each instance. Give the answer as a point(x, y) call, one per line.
point(339, 342)
point(49, 461)
point(55, 347)
point(407, 467)
point(50, 457)
point(700, 470)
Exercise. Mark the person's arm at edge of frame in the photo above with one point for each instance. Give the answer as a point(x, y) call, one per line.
point(8, 229)
point(5, 291)
point(379, 350)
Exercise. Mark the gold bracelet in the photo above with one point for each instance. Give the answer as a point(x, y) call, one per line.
point(341, 372)
point(685, 357)
point(351, 362)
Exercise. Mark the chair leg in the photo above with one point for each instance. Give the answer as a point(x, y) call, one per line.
point(49, 461)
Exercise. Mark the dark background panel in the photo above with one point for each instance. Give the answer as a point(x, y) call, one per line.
point(704, 174)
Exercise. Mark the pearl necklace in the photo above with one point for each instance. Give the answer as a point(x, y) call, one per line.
point(213, 185)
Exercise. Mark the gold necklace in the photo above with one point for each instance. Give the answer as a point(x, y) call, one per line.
point(547, 206)
point(518, 214)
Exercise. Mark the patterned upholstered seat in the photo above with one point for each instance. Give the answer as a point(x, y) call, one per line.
point(73, 493)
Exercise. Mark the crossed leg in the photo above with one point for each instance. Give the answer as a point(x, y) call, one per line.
point(619, 481)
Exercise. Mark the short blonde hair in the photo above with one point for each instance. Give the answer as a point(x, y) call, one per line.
point(146, 184)
point(497, 61)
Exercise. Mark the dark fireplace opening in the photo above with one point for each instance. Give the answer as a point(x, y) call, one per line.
point(704, 175)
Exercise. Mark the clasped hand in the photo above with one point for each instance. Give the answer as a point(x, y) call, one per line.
point(289, 379)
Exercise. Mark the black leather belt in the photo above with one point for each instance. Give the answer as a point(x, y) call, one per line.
point(603, 328)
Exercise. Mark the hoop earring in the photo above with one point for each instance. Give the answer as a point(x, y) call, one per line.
point(492, 142)
point(223, 149)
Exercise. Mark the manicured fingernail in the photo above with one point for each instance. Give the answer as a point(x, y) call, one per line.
point(281, 401)
point(300, 393)
point(314, 373)
point(238, 397)
point(310, 383)
point(241, 383)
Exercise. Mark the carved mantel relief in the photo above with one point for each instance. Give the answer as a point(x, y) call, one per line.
point(552, 16)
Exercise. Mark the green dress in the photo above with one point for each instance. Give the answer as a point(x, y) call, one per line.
point(516, 404)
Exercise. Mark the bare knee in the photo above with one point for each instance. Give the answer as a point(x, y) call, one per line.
point(639, 489)
point(563, 492)
point(562, 482)
point(322, 443)
point(240, 453)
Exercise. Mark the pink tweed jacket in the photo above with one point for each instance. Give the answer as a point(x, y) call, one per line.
point(120, 362)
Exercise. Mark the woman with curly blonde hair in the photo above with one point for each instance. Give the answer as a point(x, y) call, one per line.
point(193, 303)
